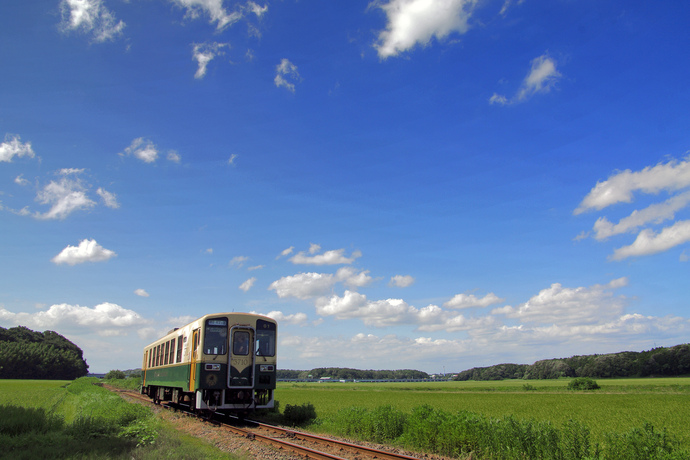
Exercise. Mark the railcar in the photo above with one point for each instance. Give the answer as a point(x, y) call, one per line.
point(220, 361)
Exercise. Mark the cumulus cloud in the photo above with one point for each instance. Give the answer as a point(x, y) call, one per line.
point(469, 301)
point(671, 177)
point(648, 242)
point(104, 318)
point(141, 293)
point(401, 281)
point(203, 53)
point(87, 251)
point(332, 257)
point(213, 9)
point(64, 196)
point(19, 180)
point(287, 75)
point(247, 285)
point(570, 306)
point(412, 22)
point(13, 147)
point(174, 156)
point(620, 187)
point(310, 285)
point(286, 252)
point(143, 149)
point(541, 78)
point(90, 17)
point(299, 319)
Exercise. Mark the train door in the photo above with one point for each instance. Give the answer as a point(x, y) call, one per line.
point(145, 368)
point(241, 363)
point(193, 360)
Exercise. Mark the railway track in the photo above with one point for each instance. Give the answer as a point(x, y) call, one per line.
point(301, 445)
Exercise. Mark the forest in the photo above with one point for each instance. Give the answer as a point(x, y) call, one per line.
point(341, 373)
point(657, 362)
point(27, 354)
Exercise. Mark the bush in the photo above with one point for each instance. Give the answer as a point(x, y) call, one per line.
point(583, 383)
point(298, 415)
point(115, 374)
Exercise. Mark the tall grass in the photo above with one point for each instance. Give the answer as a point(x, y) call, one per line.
point(461, 434)
point(87, 421)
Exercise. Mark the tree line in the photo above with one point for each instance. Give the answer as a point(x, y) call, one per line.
point(26, 354)
point(342, 373)
point(661, 361)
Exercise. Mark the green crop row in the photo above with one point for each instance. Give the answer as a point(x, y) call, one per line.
point(466, 434)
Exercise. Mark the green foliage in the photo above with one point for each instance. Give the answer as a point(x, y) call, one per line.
point(661, 361)
point(20, 420)
point(465, 433)
point(115, 374)
point(583, 383)
point(340, 373)
point(298, 415)
point(25, 354)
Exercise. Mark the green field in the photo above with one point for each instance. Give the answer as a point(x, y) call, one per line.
point(78, 419)
point(620, 404)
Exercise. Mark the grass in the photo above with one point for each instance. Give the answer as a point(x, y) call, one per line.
point(623, 412)
point(80, 420)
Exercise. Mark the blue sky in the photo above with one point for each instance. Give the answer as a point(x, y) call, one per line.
point(426, 184)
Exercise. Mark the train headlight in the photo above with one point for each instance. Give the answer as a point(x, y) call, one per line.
point(267, 368)
point(212, 367)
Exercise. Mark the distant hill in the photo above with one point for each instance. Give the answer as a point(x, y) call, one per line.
point(660, 361)
point(26, 354)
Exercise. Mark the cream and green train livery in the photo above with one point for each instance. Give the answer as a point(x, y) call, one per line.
point(220, 361)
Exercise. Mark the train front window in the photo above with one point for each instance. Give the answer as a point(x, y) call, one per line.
point(240, 343)
point(216, 336)
point(265, 343)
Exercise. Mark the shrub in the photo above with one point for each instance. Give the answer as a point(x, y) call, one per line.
point(115, 374)
point(583, 383)
point(298, 415)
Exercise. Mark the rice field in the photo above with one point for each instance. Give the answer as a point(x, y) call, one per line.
point(620, 404)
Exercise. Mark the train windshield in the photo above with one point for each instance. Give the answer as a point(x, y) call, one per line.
point(265, 338)
point(216, 336)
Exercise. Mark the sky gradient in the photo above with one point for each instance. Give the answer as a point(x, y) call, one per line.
point(424, 184)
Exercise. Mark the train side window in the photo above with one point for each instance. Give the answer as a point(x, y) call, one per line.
point(179, 349)
point(216, 336)
point(166, 352)
point(172, 351)
point(240, 343)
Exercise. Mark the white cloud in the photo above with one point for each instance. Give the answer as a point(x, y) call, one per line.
point(255, 267)
point(310, 285)
point(13, 147)
point(247, 285)
point(412, 22)
point(287, 75)
point(469, 301)
point(90, 17)
point(542, 76)
point(19, 180)
point(65, 196)
point(143, 149)
point(570, 306)
point(87, 251)
point(102, 317)
point(238, 261)
point(213, 9)
point(299, 319)
point(619, 188)
point(174, 156)
point(231, 160)
point(109, 199)
point(648, 242)
point(333, 257)
point(286, 252)
point(401, 281)
point(141, 292)
point(203, 53)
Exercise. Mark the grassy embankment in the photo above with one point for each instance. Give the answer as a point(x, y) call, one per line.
point(625, 419)
point(65, 419)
